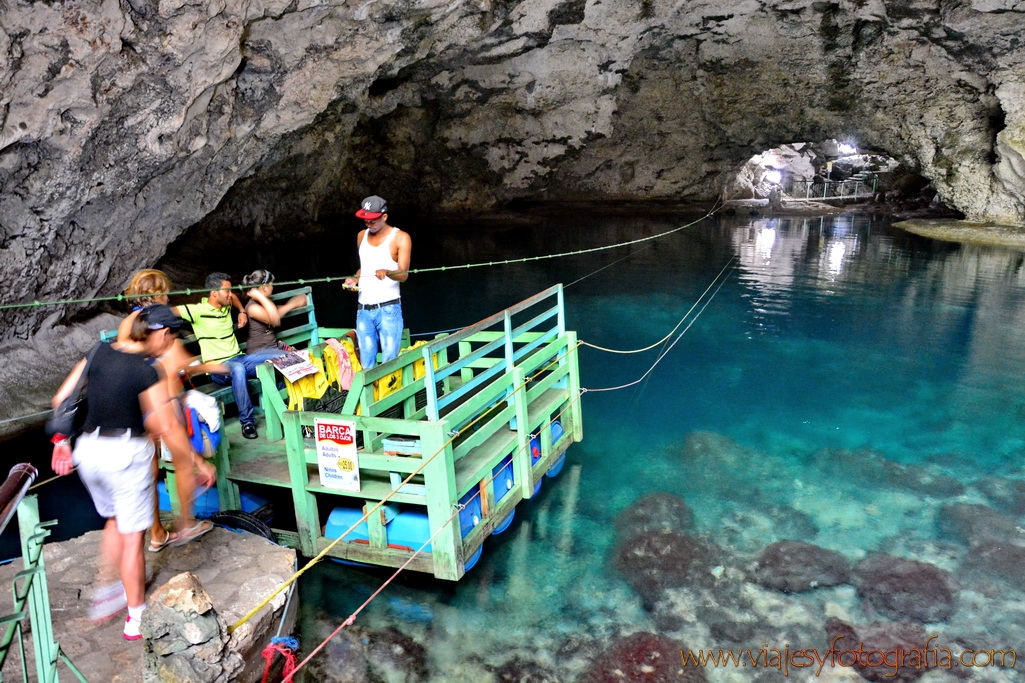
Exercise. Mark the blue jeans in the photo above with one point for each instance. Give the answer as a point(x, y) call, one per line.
point(243, 368)
point(379, 328)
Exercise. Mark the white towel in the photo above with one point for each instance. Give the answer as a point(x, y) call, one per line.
point(206, 406)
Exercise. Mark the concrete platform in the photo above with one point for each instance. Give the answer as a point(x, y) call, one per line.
point(238, 571)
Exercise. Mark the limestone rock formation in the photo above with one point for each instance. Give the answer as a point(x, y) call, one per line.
point(185, 639)
point(124, 123)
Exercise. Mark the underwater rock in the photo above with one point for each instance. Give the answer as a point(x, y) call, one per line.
point(883, 637)
point(794, 566)
point(711, 463)
point(656, 560)
point(365, 655)
point(972, 524)
point(394, 656)
point(925, 479)
point(645, 657)
point(343, 661)
point(750, 529)
point(1007, 495)
point(899, 587)
point(999, 560)
point(701, 445)
point(731, 631)
point(518, 670)
point(658, 511)
point(868, 467)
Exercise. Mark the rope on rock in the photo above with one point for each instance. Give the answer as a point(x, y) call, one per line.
point(286, 647)
point(26, 417)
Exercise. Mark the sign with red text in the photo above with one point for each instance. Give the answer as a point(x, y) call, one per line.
point(337, 458)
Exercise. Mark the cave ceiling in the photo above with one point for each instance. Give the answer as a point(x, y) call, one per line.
point(125, 123)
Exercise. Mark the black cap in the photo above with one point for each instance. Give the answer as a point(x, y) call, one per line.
point(159, 316)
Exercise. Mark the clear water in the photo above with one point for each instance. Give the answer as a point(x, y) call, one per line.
point(833, 344)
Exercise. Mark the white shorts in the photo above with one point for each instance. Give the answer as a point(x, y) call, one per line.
point(118, 473)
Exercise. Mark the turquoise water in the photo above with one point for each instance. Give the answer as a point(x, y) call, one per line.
point(834, 350)
point(844, 382)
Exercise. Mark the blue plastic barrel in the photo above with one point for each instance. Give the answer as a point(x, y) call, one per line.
point(207, 503)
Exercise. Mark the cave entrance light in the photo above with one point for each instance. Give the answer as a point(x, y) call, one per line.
point(808, 171)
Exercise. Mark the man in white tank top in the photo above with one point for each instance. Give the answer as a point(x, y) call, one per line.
point(383, 264)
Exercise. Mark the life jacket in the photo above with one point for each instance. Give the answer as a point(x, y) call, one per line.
point(392, 382)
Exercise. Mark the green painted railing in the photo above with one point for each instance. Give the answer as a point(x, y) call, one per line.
point(469, 400)
point(28, 589)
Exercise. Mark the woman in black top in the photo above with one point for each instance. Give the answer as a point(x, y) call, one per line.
point(128, 403)
point(264, 314)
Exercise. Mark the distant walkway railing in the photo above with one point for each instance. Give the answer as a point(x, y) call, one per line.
point(31, 598)
point(852, 188)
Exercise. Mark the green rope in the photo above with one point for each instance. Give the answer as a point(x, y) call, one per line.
point(411, 271)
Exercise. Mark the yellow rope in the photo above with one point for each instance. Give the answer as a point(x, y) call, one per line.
point(335, 278)
point(668, 349)
point(47, 481)
point(672, 331)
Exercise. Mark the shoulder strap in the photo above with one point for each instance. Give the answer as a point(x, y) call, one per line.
point(89, 361)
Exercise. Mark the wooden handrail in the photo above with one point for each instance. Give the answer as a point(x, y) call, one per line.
point(13, 490)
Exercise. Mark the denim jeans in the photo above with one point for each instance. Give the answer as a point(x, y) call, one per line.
point(243, 368)
point(379, 328)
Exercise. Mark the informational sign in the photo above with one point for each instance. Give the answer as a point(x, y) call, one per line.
point(337, 458)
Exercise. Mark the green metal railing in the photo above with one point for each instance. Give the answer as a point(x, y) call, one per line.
point(29, 589)
point(510, 376)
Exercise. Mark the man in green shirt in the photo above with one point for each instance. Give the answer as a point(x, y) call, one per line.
point(211, 321)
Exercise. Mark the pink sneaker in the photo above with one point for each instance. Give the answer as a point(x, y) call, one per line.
point(107, 601)
point(132, 629)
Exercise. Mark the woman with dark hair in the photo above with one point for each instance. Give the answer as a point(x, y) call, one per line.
point(264, 314)
point(128, 407)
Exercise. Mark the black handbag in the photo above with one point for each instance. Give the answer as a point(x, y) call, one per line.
point(69, 417)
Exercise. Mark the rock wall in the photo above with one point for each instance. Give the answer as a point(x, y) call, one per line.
point(124, 122)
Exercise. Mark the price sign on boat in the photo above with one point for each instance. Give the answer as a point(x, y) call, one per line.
point(337, 458)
